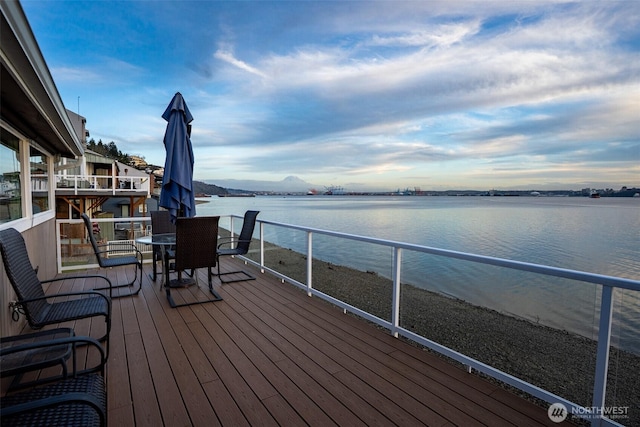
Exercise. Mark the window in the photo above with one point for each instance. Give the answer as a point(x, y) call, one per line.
point(39, 181)
point(10, 188)
point(25, 179)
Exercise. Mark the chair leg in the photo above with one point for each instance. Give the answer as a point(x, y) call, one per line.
point(247, 275)
point(216, 297)
point(156, 272)
point(135, 291)
point(155, 268)
point(132, 293)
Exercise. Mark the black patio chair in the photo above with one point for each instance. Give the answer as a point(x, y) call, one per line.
point(160, 224)
point(32, 300)
point(108, 258)
point(238, 246)
point(196, 242)
point(78, 400)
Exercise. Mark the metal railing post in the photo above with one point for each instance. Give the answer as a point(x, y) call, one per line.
point(309, 262)
point(231, 229)
point(261, 247)
point(395, 309)
point(602, 358)
point(58, 248)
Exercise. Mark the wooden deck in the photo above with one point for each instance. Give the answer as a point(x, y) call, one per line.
point(269, 355)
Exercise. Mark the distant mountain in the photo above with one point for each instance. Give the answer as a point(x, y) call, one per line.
point(201, 188)
point(291, 184)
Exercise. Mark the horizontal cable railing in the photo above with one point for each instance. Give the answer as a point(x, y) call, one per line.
point(604, 313)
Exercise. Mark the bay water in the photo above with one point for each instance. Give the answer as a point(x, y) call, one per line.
point(594, 235)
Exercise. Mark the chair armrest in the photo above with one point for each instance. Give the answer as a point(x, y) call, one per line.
point(84, 276)
point(53, 342)
point(61, 399)
point(230, 240)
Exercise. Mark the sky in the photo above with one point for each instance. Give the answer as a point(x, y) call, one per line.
point(367, 95)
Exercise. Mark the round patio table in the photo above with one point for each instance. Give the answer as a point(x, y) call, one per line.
point(165, 241)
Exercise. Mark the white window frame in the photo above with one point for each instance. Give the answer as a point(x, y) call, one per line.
point(29, 219)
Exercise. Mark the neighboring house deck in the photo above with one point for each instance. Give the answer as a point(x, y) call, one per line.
point(270, 355)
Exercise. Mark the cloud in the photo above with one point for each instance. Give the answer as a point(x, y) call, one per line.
point(70, 74)
point(442, 36)
point(386, 90)
point(227, 56)
point(105, 70)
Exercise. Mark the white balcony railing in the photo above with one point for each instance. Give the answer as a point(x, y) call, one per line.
point(104, 184)
point(603, 311)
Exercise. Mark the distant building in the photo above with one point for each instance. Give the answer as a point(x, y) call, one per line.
point(79, 126)
point(137, 161)
point(97, 184)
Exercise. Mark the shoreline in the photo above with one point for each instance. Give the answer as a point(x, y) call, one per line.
point(556, 360)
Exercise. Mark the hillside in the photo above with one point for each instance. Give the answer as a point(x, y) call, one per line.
point(202, 188)
point(288, 184)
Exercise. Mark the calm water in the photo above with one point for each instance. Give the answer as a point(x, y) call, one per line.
point(594, 235)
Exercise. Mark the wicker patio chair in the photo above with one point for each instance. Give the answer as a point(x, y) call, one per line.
point(196, 242)
point(160, 224)
point(32, 300)
point(108, 258)
point(78, 400)
point(238, 246)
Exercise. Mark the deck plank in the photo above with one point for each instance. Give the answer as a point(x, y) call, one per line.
point(305, 359)
point(143, 397)
point(304, 400)
point(166, 389)
point(339, 346)
point(240, 391)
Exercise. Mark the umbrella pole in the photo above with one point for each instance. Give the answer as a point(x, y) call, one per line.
point(180, 214)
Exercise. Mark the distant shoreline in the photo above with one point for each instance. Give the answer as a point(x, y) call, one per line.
point(294, 186)
point(431, 194)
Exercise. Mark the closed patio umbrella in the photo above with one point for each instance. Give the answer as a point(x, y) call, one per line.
point(177, 183)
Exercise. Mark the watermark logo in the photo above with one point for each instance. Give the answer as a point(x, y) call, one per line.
point(557, 412)
point(611, 412)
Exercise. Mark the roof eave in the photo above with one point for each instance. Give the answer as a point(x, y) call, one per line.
point(30, 99)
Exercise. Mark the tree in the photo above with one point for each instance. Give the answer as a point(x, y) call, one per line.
point(109, 150)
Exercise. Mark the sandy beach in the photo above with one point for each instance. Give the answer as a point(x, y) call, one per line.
point(553, 359)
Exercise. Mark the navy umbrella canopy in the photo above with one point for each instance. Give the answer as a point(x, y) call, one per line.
point(177, 194)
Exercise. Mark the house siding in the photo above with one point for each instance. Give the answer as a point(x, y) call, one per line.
point(41, 246)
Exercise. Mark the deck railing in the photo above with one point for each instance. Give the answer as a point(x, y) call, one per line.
point(596, 413)
point(74, 249)
point(105, 184)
